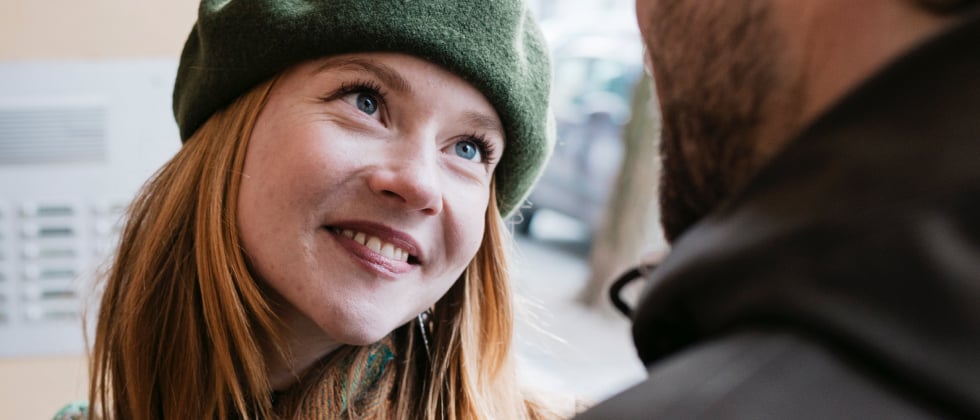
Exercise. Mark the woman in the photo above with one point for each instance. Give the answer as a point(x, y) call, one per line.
point(328, 241)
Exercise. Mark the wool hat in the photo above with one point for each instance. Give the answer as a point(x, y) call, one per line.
point(495, 45)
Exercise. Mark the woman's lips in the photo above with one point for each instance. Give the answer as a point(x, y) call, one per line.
point(377, 247)
point(376, 244)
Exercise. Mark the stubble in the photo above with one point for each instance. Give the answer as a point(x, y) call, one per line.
point(716, 66)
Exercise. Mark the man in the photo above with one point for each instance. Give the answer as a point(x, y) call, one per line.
point(821, 192)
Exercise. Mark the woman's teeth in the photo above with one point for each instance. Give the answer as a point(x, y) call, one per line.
point(387, 249)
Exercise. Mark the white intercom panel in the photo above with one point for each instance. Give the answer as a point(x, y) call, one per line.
point(77, 140)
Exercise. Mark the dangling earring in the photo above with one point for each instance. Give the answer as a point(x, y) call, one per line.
point(423, 317)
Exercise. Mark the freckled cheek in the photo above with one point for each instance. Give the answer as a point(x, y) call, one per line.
point(462, 249)
point(470, 226)
point(315, 171)
point(473, 240)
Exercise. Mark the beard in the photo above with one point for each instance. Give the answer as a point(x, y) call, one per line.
point(715, 64)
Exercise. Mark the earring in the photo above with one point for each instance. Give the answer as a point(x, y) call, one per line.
point(422, 318)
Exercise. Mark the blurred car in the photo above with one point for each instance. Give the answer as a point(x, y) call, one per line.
point(594, 75)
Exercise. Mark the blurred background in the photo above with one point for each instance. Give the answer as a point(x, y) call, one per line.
point(85, 118)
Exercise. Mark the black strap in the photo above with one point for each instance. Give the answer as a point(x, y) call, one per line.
point(624, 279)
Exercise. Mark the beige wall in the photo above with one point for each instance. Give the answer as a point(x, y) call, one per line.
point(72, 29)
point(35, 388)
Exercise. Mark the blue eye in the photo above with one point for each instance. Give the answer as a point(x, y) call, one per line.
point(367, 97)
point(367, 103)
point(468, 150)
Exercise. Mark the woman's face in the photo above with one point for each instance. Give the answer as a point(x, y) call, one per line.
point(364, 191)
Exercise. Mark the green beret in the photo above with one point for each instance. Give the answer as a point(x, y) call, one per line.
point(495, 45)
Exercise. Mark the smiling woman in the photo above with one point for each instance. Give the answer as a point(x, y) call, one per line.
point(328, 243)
point(358, 208)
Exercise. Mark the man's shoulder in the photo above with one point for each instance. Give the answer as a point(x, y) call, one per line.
point(757, 375)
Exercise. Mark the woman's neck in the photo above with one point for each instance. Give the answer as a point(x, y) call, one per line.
point(305, 343)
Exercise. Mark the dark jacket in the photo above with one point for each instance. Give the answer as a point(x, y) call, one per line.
point(844, 280)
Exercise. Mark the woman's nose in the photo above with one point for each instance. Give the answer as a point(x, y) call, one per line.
point(411, 180)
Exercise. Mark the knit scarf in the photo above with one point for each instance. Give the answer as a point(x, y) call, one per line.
point(352, 386)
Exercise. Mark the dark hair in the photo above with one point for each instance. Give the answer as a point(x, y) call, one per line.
point(947, 6)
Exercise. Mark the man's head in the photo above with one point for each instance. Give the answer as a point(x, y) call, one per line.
point(736, 79)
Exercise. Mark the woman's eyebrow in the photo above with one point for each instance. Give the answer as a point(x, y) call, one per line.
point(483, 121)
point(386, 74)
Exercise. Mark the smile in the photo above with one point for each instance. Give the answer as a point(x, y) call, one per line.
point(384, 248)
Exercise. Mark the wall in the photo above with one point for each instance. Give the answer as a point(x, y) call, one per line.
point(71, 30)
point(94, 29)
